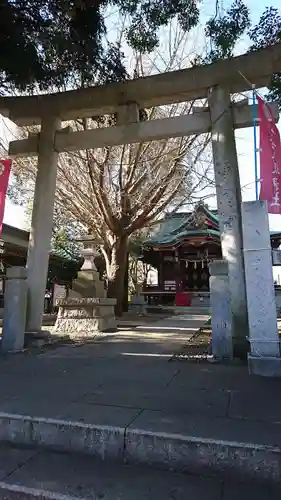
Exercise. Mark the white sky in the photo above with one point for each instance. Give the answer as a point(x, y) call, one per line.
point(14, 215)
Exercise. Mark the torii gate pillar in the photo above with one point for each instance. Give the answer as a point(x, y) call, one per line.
point(229, 208)
point(42, 223)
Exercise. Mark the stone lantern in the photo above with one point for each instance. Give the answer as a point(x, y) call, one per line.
point(87, 310)
point(88, 283)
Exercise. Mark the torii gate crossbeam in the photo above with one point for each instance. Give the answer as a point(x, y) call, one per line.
point(198, 122)
point(157, 90)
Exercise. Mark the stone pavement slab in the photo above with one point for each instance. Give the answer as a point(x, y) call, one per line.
point(130, 343)
point(258, 405)
point(249, 492)
point(218, 429)
point(90, 479)
point(212, 403)
point(45, 381)
point(184, 323)
point(233, 378)
point(12, 459)
point(57, 474)
point(75, 412)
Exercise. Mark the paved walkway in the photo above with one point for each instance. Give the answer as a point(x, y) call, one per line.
point(43, 475)
point(132, 371)
point(118, 369)
point(128, 380)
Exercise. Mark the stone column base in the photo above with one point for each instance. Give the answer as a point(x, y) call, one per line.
point(14, 310)
point(85, 316)
point(264, 366)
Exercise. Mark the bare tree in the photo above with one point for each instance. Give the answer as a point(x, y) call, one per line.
point(113, 192)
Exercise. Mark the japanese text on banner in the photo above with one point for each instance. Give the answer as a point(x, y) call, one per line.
point(270, 159)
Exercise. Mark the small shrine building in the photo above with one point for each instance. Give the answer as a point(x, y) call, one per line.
point(63, 266)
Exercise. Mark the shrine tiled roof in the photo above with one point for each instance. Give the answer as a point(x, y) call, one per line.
point(203, 222)
point(275, 233)
point(168, 227)
point(170, 239)
point(177, 227)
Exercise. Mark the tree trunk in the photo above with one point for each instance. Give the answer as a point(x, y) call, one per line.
point(116, 272)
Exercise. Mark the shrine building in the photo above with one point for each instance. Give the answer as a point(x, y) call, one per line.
point(181, 247)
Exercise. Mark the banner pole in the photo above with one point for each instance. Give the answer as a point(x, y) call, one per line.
point(255, 118)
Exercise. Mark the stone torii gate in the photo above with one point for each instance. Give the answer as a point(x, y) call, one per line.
point(216, 82)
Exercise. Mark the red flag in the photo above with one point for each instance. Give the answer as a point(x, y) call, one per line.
point(270, 159)
point(5, 169)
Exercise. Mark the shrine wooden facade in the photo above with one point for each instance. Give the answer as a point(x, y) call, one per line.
point(181, 249)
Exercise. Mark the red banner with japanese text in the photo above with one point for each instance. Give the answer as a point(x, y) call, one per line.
point(5, 170)
point(270, 159)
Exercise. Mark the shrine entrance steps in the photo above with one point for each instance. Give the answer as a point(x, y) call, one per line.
point(183, 429)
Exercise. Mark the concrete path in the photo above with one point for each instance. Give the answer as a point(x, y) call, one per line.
point(27, 474)
point(185, 325)
point(121, 397)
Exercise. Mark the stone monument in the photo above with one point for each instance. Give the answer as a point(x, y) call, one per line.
point(86, 311)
